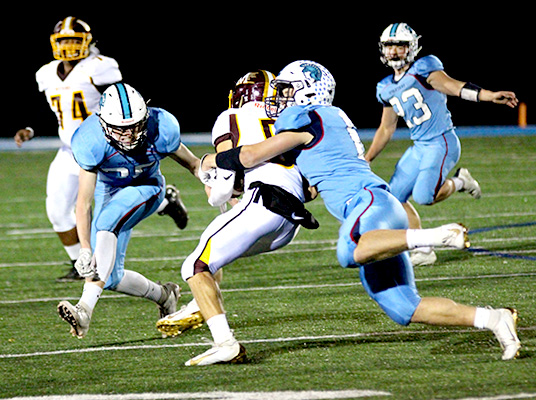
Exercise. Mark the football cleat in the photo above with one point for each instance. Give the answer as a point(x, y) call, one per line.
point(453, 236)
point(505, 332)
point(77, 316)
point(174, 324)
point(421, 258)
point(228, 352)
point(175, 208)
point(71, 276)
point(470, 185)
point(171, 292)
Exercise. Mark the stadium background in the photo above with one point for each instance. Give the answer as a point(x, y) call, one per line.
point(185, 58)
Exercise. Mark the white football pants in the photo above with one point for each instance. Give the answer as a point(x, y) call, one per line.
point(245, 230)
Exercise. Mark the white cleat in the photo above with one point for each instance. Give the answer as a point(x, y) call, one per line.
point(505, 332)
point(77, 316)
point(421, 258)
point(188, 317)
point(171, 293)
point(228, 352)
point(470, 185)
point(454, 236)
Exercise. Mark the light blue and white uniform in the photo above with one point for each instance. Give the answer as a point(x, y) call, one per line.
point(436, 149)
point(352, 193)
point(129, 187)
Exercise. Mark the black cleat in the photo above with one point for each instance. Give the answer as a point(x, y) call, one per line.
point(175, 208)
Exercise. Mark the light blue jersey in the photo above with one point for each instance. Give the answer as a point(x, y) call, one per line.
point(359, 199)
point(423, 108)
point(93, 153)
point(333, 162)
point(129, 187)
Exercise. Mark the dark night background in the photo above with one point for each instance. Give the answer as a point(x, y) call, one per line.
point(186, 58)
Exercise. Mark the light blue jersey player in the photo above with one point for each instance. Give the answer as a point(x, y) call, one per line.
point(374, 234)
point(119, 150)
point(417, 91)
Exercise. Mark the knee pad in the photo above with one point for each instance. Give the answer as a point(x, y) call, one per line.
point(399, 303)
point(391, 284)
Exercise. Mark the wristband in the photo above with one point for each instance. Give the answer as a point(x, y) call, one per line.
point(230, 160)
point(470, 92)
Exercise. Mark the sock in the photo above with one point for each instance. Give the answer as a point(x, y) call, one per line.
point(135, 284)
point(73, 251)
point(486, 318)
point(162, 205)
point(418, 238)
point(90, 295)
point(458, 183)
point(219, 327)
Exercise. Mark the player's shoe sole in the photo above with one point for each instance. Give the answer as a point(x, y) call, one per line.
point(170, 327)
point(76, 316)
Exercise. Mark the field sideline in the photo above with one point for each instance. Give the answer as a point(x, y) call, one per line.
point(309, 329)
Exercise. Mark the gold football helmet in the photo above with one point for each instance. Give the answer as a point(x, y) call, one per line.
point(71, 39)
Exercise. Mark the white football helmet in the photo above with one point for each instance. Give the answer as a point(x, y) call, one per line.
point(311, 83)
point(399, 34)
point(123, 115)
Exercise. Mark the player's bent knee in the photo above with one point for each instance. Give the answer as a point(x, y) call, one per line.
point(399, 303)
point(424, 199)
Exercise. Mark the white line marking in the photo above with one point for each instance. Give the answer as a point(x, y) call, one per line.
point(294, 287)
point(503, 397)
point(279, 395)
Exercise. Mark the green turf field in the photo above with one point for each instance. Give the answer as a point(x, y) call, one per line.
point(309, 329)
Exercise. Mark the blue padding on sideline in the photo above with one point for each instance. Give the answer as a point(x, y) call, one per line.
point(204, 138)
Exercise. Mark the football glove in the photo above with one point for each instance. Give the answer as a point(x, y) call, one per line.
point(84, 264)
point(222, 188)
point(207, 177)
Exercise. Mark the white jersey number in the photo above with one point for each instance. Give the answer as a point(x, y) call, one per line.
point(419, 104)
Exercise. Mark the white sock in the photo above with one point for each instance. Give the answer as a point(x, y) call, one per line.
point(418, 238)
point(219, 327)
point(90, 295)
point(73, 251)
point(162, 205)
point(458, 183)
point(486, 318)
point(135, 284)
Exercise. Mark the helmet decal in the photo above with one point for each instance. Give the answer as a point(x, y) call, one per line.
point(314, 72)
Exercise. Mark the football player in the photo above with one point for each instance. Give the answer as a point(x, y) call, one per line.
point(73, 84)
point(266, 218)
point(374, 234)
point(118, 150)
point(417, 91)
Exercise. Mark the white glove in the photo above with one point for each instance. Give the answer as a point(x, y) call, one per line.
point(207, 177)
point(84, 264)
point(222, 189)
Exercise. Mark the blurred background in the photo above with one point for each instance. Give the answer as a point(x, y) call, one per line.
point(186, 58)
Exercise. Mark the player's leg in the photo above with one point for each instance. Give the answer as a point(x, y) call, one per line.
point(402, 184)
point(116, 212)
point(377, 229)
point(229, 236)
point(61, 190)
